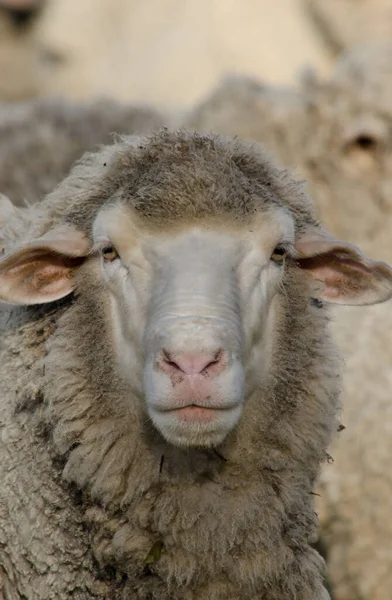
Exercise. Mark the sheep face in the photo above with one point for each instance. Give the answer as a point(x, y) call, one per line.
point(192, 307)
point(193, 313)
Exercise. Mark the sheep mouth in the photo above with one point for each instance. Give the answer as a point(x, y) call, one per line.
point(197, 412)
point(196, 405)
point(196, 425)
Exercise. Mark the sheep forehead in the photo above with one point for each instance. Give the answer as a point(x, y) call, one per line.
point(120, 225)
point(202, 176)
point(182, 175)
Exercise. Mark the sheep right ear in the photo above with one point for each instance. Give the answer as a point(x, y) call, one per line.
point(43, 270)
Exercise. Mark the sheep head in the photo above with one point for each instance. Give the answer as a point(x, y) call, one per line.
point(347, 158)
point(194, 303)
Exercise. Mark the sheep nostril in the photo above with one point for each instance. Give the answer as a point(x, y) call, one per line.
point(192, 363)
point(173, 365)
point(215, 361)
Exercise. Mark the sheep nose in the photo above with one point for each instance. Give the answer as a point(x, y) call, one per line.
point(192, 363)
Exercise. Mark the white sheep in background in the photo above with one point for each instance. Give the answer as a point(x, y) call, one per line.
point(352, 185)
point(169, 387)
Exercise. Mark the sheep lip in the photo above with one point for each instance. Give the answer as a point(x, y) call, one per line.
point(194, 406)
point(194, 412)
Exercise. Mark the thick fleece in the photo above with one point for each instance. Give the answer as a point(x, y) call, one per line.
point(92, 498)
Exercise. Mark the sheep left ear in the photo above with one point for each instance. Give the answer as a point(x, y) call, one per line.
point(345, 275)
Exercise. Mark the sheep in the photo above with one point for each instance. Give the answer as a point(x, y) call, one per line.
point(350, 116)
point(343, 28)
point(40, 140)
point(169, 386)
point(338, 134)
point(253, 110)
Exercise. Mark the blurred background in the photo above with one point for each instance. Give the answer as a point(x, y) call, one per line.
point(165, 52)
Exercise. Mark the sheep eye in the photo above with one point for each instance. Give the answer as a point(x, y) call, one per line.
point(109, 253)
point(365, 142)
point(279, 254)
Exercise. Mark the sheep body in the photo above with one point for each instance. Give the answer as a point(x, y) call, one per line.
point(252, 110)
point(41, 139)
point(233, 526)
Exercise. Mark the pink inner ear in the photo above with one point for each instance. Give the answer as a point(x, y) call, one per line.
point(43, 270)
point(337, 261)
point(40, 277)
point(50, 279)
point(343, 273)
point(334, 281)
